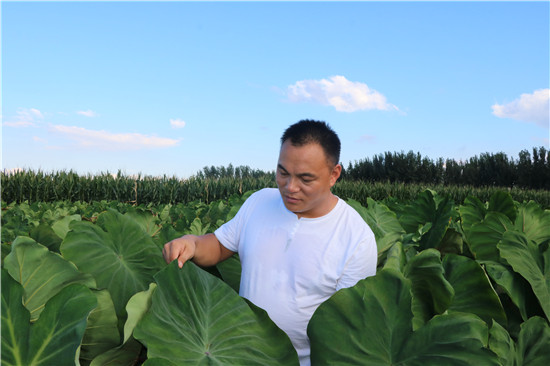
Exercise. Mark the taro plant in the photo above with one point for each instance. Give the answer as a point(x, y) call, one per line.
point(480, 298)
point(197, 319)
point(456, 285)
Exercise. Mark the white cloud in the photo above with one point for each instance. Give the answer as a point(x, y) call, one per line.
point(365, 138)
point(113, 141)
point(339, 92)
point(25, 117)
point(38, 139)
point(527, 108)
point(177, 123)
point(36, 113)
point(88, 113)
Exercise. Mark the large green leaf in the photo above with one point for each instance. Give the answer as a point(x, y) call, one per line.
point(534, 222)
point(432, 293)
point(396, 257)
point(531, 348)
point(126, 353)
point(137, 307)
point(41, 273)
point(55, 337)
point(117, 252)
point(450, 339)
point(383, 222)
point(15, 322)
point(373, 320)
point(516, 287)
point(61, 226)
point(531, 261)
point(158, 362)
point(534, 343)
point(428, 208)
point(370, 324)
point(165, 234)
point(483, 237)
point(145, 219)
point(502, 344)
point(502, 202)
point(45, 235)
point(230, 271)
point(102, 330)
point(471, 212)
point(419, 212)
point(452, 242)
point(473, 292)
point(479, 220)
point(197, 319)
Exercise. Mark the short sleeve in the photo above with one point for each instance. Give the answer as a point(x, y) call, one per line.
point(361, 264)
point(229, 233)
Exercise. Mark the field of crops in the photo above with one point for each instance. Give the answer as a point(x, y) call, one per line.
point(464, 283)
point(31, 186)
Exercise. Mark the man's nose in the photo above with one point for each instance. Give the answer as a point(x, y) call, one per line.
point(292, 185)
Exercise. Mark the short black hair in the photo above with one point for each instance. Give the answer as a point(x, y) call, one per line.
point(309, 131)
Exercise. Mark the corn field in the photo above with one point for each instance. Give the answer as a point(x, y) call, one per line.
point(30, 186)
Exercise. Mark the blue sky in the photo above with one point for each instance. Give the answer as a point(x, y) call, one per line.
point(168, 88)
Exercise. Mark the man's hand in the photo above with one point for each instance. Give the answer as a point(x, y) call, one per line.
point(181, 248)
point(204, 250)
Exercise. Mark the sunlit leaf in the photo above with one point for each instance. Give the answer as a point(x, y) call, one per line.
point(502, 344)
point(102, 329)
point(55, 337)
point(195, 318)
point(432, 293)
point(483, 237)
point(117, 252)
point(373, 324)
point(502, 202)
point(534, 342)
point(473, 292)
point(526, 258)
point(534, 222)
point(41, 273)
point(383, 222)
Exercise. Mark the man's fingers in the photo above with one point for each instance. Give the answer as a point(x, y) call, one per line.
point(184, 257)
point(180, 249)
point(171, 251)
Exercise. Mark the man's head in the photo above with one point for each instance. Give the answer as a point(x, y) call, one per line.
point(308, 168)
point(309, 131)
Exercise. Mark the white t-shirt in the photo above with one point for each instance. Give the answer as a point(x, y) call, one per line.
point(291, 265)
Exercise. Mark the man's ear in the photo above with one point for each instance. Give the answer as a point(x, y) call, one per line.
point(335, 174)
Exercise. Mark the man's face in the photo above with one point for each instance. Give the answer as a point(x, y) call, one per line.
point(304, 178)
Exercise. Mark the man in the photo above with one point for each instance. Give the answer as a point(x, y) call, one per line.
point(299, 244)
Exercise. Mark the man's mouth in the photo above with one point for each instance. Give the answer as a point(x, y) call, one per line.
point(291, 199)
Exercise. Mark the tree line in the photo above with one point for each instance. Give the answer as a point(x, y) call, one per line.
point(529, 170)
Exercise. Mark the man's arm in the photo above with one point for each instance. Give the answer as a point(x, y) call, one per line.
point(362, 264)
point(204, 250)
